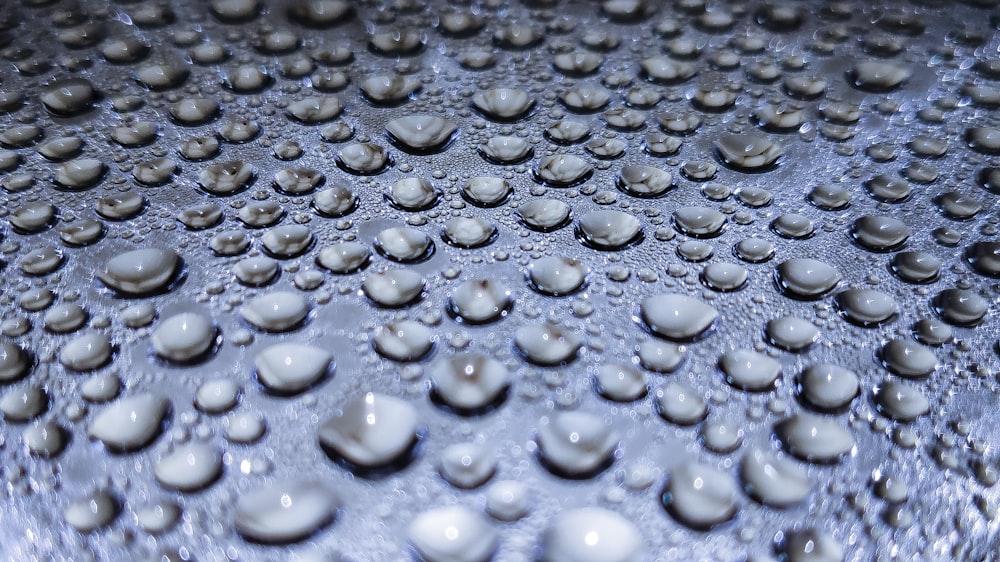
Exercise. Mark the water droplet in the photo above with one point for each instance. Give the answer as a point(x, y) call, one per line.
point(454, 534)
point(815, 439)
point(900, 401)
point(620, 382)
point(866, 307)
point(806, 278)
point(278, 311)
point(290, 368)
point(132, 423)
point(503, 104)
point(92, 511)
point(189, 467)
point(749, 370)
point(374, 431)
point(753, 153)
point(546, 344)
point(609, 230)
point(591, 534)
point(404, 341)
point(679, 404)
point(700, 496)
point(421, 133)
point(184, 338)
point(285, 511)
point(575, 444)
point(773, 480)
point(467, 465)
point(677, 317)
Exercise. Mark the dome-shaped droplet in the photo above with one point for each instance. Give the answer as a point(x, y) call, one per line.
point(412, 194)
point(700, 222)
point(644, 181)
point(467, 465)
point(907, 358)
point(866, 307)
point(469, 383)
point(880, 234)
point(373, 431)
point(278, 311)
point(660, 356)
point(591, 534)
point(680, 404)
point(15, 362)
point(961, 307)
point(393, 288)
point(677, 317)
point(809, 545)
point(877, 76)
point(609, 230)
point(479, 301)
point(700, 496)
point(93, 511)
point(389, 89)
point(468, 232)
point(335, 202)
point(815, 439)
point(806, 278)
point(620, 382)
point(791, 333)
point(421, 133)
point(752, 153)
point(486, 191)
point(773, 480)
point(452, 534)
point(546, 344)
point(900, 401)
point(749, 370)
point(556, 276)
point(290, 368)
point(506, 150)
point(828, 387)
point(80, 174)
point(131, 423)
point(285, 511)
point(404, 245)
point(189, 467)
point(916, 266)
point(344, 258)
point(575, 444)
point(403, 341)
point(724, 276)
point(287, 241)
point(562, 170)
point(69, 97)
point(503, 104)
point(86, 352)
point(184, 337)
point(363, 159)
point(23, 404)
point(544, 215)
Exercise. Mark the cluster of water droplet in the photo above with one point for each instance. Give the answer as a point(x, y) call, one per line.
point(512, 280)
